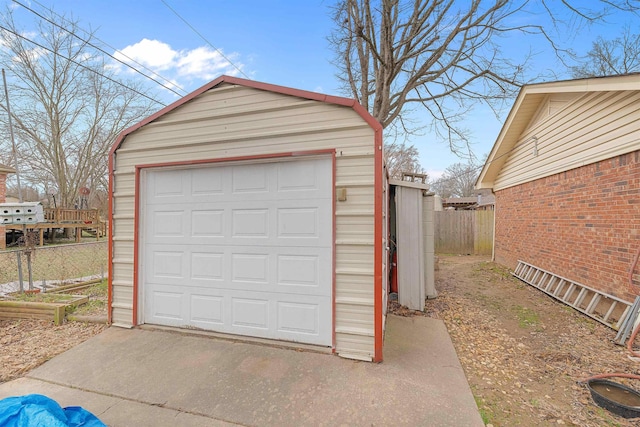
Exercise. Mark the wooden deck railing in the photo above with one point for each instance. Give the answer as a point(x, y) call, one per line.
point(80, 219)
point(71, 216)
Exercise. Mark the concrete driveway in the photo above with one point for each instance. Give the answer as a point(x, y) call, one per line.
point(143, 377)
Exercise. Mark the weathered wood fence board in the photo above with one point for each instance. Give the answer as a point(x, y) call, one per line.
point(483, 243)
point(464, 232)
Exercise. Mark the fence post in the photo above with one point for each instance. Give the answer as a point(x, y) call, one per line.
point(58, 315)
point(29, 271)
point(20, 272)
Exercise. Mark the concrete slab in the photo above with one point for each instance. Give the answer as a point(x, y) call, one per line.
point(113, 411)
point(132, 376)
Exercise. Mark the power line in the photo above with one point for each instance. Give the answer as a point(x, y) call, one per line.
point(116, 50)
point(83, 66)
point(203, 38)
point(103, 51)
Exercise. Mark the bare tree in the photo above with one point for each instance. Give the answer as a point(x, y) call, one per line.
point(611, 57)
point(67, 106)
point(401, 158)
point(443, 56)
point(458, 180)
point(29, 193)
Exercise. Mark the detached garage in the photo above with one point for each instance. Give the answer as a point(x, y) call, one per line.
point(255, 210)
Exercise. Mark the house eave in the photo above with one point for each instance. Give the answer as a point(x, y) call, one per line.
point(531, 96)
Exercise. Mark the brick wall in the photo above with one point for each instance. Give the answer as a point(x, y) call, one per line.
point(583, 224)
point(3, 191)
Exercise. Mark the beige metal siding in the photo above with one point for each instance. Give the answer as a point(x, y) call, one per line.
point(552, 104)
point(235, 121)
point(590, 128)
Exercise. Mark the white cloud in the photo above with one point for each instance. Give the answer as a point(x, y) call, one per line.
point(182, 66)
point(154, 54)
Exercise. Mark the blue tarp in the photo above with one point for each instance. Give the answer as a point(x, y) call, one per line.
point(38, 410)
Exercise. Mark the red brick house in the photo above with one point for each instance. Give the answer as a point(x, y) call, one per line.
point(565, 171)
point(4, 171)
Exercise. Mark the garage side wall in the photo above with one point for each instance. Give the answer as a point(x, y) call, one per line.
point(583, 224)
point(234, 122)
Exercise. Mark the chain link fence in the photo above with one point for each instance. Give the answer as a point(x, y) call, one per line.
point(51, 265)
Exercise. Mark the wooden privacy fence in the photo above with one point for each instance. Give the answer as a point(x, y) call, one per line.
point(464, 232)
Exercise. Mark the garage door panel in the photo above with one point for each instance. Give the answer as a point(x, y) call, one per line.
point(294, 224)
point(304, 272)
point(298, 222)
point(298, 318)
point(207, 223)
point(168, 264)
point(302, 224)
point(207, 182)
point(310, 178)
point(243, 249)
point(169, 223)
point(167, 305)
point(167, 185)
point(292, 318)
point(249, 268)
point(250, 313)
point(207, 266)
point(250, 223)
point(207, 310)
point(250, 178)
point(298, 270)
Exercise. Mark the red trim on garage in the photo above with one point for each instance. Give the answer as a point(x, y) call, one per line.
point(110, 245)
point(378, 251)
point(136, 240)
point(333, 249)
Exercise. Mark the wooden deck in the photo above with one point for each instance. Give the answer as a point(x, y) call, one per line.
point(80, 219)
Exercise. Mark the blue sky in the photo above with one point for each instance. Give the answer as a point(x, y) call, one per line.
point(280, 42)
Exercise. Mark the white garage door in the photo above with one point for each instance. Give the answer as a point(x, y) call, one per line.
point(242, 249)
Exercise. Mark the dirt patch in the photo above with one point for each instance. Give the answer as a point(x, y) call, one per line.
point(26, 344)
point(523, 352)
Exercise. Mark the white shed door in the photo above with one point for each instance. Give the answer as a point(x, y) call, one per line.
point(242, 249)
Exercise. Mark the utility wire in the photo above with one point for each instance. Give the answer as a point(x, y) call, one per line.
point(105, 52)
point(116, 50)
point(203, 38)
point(83, 66)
